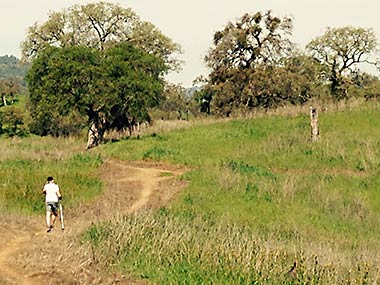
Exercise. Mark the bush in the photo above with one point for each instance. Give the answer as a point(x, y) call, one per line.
point(56, 125)
point(12, 122)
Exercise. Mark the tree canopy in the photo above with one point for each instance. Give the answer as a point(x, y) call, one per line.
point(71, 87)
point(251, 67)
point(99, 25)
point(253, 39)
point(253, 63)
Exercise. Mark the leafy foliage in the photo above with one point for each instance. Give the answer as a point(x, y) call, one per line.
point(253, 64)
point(177, 103)
point(60, 81)
point(137, 84)
point(12, 73)
point(253, 40)
point(86, 71)
point(12, 122)
point(72, 87)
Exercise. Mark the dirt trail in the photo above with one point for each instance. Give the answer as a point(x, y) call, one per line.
point(29, 255)
point(10, 272)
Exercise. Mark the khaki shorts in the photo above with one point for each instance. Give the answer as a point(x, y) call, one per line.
point(52, 207)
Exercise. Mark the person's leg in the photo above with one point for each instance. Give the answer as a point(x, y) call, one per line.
point(48, 221)
point(48, 214)
point(54, 213)
point(53, 218)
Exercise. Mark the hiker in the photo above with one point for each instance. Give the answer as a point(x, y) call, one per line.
point(52, 196)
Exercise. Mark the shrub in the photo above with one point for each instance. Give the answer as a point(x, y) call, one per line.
point(12, 122)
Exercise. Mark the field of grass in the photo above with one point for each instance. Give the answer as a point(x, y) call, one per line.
point(260, 197)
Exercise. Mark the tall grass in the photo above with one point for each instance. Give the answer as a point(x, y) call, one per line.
point(262, 183)
point(162, 248)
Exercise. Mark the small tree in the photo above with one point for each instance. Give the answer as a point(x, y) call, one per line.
point(175, 104)
point(9, 87)
point(12, 122)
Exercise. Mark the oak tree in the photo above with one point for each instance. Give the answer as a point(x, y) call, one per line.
point(73, 87)
point(242, 53)
point(342, 50)
point(98, 65)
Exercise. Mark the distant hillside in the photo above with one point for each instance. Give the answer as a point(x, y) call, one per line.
point(11, 66)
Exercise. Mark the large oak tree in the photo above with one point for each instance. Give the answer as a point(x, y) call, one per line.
point(97, 64)
point(250, 66)
point(70, 86)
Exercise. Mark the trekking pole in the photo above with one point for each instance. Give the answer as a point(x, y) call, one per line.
point(61, 215)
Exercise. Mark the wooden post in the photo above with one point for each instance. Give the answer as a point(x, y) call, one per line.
point(314, 124)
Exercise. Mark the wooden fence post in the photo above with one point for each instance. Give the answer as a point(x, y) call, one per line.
point(314, 124)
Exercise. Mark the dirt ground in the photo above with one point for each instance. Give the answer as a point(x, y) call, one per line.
point(30, 255)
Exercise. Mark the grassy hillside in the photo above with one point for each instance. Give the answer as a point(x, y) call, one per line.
point(261, 196)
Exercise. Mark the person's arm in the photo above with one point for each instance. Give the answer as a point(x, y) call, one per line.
point(59, 195)
point(44, 190)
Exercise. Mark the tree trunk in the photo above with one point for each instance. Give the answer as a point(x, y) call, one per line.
point(95, 136)
point(314, 124)
point(5, 100)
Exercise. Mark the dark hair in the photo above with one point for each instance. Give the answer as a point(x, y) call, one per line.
point(50, 178)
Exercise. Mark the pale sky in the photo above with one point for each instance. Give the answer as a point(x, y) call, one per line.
point(193, 23)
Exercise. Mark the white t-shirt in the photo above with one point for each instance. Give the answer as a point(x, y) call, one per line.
point(51, 190)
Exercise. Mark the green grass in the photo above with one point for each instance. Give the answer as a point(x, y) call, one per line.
point(266, 179)
point(260, 196)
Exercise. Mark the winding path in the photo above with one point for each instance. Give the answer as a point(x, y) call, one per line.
point(24, 256)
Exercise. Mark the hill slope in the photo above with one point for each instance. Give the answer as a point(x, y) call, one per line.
point(263, 196)
point(263, 203)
